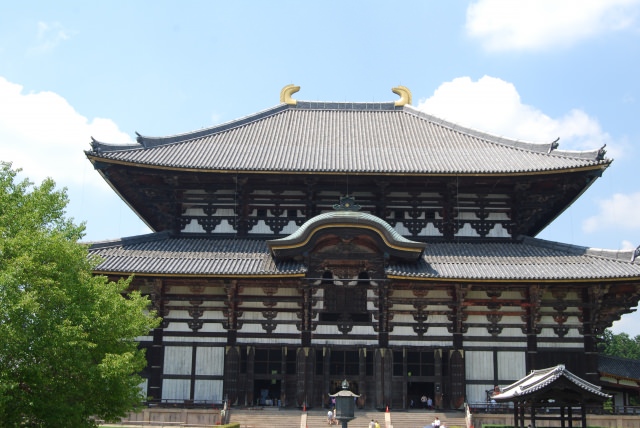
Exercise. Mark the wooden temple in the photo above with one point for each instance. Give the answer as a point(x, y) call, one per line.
point(314, 242)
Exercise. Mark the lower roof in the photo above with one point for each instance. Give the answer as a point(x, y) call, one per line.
point(527, 259)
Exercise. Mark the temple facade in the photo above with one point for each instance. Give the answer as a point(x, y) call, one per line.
point(314, 242)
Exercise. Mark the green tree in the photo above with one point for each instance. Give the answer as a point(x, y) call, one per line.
point(67, 337)
point(619, 345)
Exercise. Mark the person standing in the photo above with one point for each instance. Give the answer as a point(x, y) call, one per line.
point(436, 423)
point(423, 400)
point(372, 424)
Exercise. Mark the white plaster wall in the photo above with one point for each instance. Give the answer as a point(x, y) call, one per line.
point(498, 232)
point(224, 227)
point(175, 326)
point(193, 227)
point(209, 361)
point(478, 365)
point(260, 228)
point(269, 340)
point(512, 365)
point(208, 390)
point(402, 318)
point(467, 231)
point(177, 360)
point(357, 330)
point(476, 393)
point(175, 389)
point(497, 216)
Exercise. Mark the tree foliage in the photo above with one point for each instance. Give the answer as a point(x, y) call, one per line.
point(67, 337)
point(619, 345)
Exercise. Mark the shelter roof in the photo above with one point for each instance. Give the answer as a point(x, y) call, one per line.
point(536, 383)
point(334, 137)
point(523, 260)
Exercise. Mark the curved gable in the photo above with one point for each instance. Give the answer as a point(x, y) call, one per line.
point(344, 231)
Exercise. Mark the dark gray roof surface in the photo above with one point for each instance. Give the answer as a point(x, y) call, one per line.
point(619, 367)
point(345, 137)
point(529, 259)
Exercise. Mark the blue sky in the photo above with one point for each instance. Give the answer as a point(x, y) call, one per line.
point(532, 70)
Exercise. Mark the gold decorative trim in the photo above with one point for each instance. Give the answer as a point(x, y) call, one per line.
point(286, 92)
point(405, 95)
point(276, 247)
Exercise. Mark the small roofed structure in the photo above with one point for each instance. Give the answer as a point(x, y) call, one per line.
point(552, 387)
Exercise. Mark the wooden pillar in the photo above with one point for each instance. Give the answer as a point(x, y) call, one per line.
point(570, 416)
point(382, 373)
point(250, 377)
point(437, 358)
point(362, 377)
point(533, 416)
point(155, 362)
point(231, 311)
point(307, 314)
point(383, 316)
point(304, 372)
point(155, 354)
point(326, 384)
point(242, 206)
point(593, 297)
point(532, 328)
point(231, 373)
point(283, 376)
point(457, 388)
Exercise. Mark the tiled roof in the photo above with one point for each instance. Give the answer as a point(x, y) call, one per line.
point(158, 254)
point(345, 137)
point(541, 379)
point(529, 259)
point(625, 368)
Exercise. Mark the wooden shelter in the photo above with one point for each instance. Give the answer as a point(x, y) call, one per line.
point(552, 388)
point(317, 241)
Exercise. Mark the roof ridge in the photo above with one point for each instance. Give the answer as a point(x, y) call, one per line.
point(543, 148)
point(129, 240)
point(620, 255)
point(148, 142)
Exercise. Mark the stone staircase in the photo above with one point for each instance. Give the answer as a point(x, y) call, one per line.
point(281, 418)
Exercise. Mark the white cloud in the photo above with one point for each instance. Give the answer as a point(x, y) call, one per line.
point(493, 105)
point(617, 212)
point(45, 137)
point(504, 25)
point(49, 36)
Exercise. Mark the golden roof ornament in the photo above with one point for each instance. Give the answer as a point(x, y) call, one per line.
point(405, 95)
point(286, 92)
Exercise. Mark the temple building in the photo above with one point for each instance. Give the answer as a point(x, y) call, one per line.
point(314, 242)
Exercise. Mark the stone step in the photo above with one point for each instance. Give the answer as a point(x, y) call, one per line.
point(318, 418)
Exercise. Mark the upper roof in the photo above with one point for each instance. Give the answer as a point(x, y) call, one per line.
point(526, 260)
point(335, 137)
